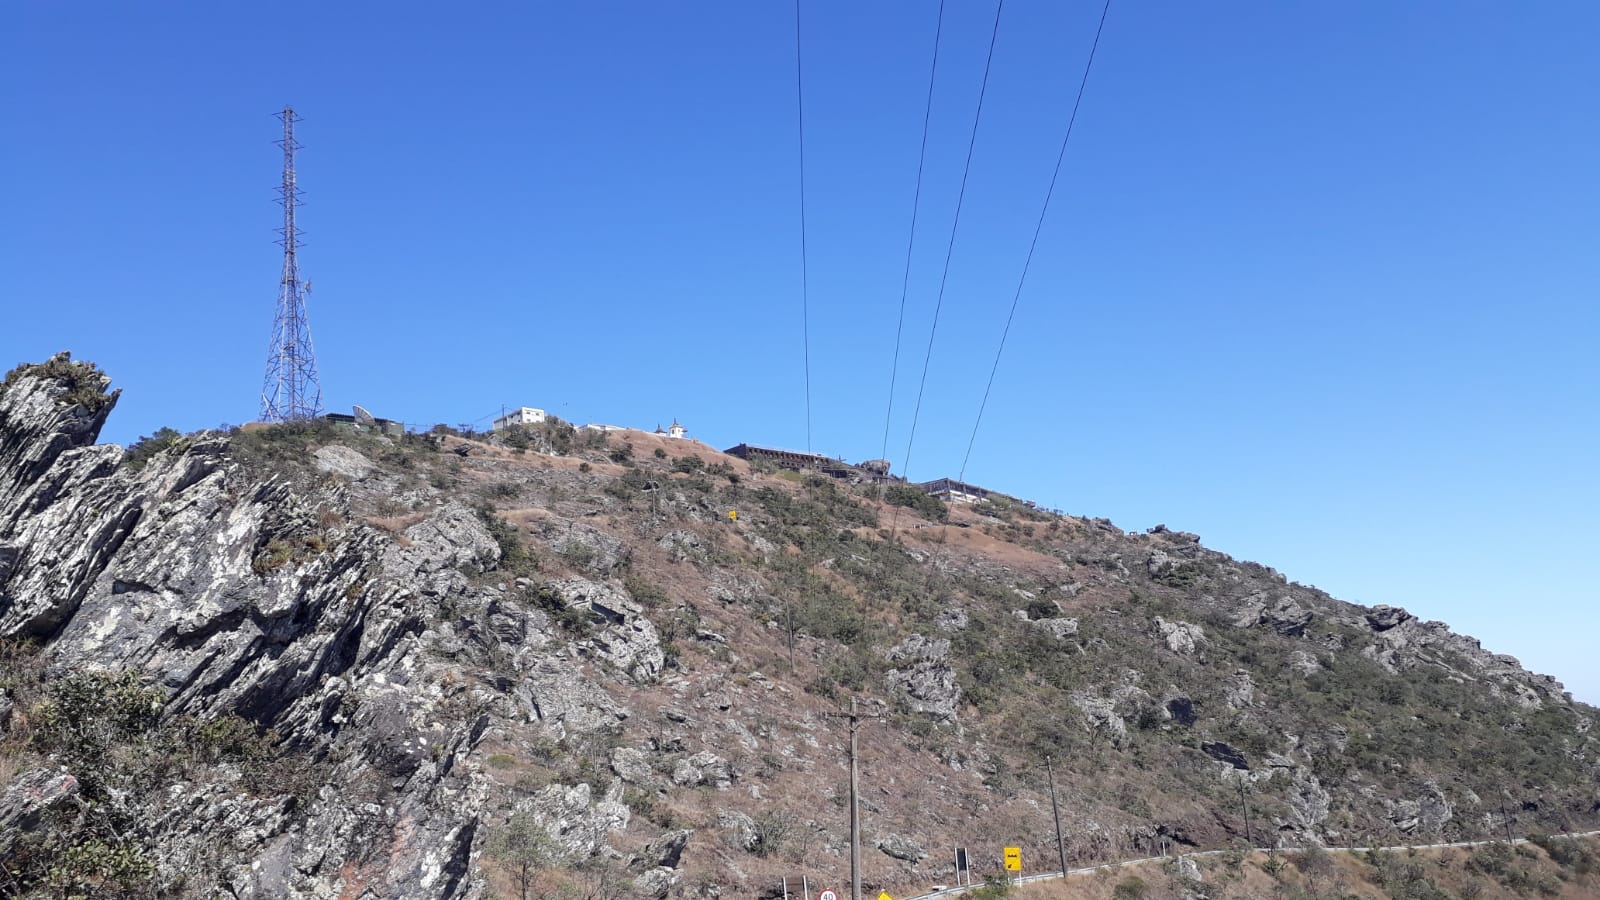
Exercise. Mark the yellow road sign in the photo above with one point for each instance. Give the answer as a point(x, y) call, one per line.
point(1013, 859)
point(884, 895)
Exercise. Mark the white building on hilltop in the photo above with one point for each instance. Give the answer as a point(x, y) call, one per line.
point(673, 431)
point(522, 415)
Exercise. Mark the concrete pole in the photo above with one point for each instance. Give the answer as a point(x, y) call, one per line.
point(855, 813)
point(1061, 846)
point(1245, 805)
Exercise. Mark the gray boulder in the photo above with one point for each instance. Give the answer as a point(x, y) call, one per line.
point(704, 767)
point(1059, 628)
point(336, 459)
point(1383, 618)
point(1180, 637)
point(741, 829)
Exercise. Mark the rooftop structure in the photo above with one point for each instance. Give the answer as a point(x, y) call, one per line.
point(361, 420)
point(953, 491)
point(794, 460)
point(522, 415)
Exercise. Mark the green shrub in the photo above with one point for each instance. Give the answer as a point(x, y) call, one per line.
point(147, 446)
point(83, 380)
point(926, 505)
point(514, 557)
point(1130, 888)
point(1568, 853)
point(994, 887)
point(90, 714)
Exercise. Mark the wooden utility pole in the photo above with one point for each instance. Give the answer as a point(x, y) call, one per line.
point(1061, 846)
point(854, 719)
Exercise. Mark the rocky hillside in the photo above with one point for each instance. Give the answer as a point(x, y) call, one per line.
point(311, 661)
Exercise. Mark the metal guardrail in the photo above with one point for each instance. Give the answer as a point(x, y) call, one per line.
point(1046, 876)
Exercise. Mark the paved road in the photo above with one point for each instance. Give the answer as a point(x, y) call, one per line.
point(1046, 876)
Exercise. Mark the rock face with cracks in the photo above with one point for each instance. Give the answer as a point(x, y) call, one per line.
point(246, 598)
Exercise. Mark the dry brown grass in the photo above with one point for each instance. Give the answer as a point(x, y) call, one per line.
point(1345, 876)
point(395, 526)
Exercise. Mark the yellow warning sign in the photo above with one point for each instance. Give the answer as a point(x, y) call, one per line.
point(1013, 859)
point(884, 895)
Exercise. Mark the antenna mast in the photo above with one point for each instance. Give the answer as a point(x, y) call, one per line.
point(291, 391)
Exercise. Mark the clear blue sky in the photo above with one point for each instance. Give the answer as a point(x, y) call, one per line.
point(1319, 282)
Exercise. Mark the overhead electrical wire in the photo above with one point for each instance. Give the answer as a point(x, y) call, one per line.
point(1032, 246)
point(916, 202)
point(805, 300)
point(955, 225)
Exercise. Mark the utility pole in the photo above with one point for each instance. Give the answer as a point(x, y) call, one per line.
point(854, 719)
point(1245, 805)
point(1505, 818)
point(1061, 846)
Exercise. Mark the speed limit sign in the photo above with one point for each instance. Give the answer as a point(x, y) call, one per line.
point(828, 894)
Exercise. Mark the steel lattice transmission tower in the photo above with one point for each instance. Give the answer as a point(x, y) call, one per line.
point(291, 390)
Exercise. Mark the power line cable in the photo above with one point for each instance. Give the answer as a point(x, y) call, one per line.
point(805, 300)
point(916, 202)
point(1045, 208)
point(949, 251)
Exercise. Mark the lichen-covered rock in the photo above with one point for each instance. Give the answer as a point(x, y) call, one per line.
point(631, 765)
point(342, 461)
point(1101, 717)
point(902, 848)
point(704, 767)
point(741, 829)
point(235, 594)
point(1304, 662)
point(922, 674)
point(29, 798)
point(1058, 628)
point(1239, 690)
point(625, 638)
point(1180, 637)
point(1309, 803)
point(588, 548)
point(577, 821)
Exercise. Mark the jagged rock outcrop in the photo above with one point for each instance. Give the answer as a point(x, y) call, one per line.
point(242, 597)
point(1101, 717)
point(597, 552)
point(624, 637)
point(28, 799)
point(577, 820)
